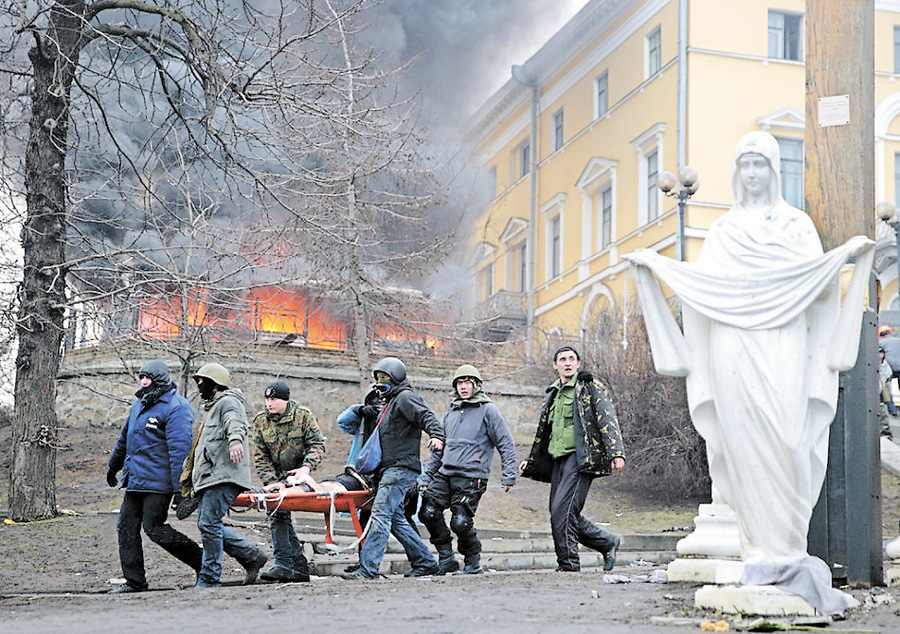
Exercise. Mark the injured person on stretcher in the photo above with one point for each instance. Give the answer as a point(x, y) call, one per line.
point(350, 480)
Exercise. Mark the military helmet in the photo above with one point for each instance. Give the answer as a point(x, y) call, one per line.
point(393, 367)
point(215, 373)
point(464, 371)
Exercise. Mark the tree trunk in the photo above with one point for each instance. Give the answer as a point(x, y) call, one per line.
point(40, 326)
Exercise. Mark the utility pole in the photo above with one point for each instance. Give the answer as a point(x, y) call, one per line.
point(840, 197)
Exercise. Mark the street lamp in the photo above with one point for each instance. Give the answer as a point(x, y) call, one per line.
point(888, 214)
point(687, 179)
point(522, 76)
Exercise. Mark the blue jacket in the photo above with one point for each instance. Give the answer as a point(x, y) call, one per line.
point(153, 444)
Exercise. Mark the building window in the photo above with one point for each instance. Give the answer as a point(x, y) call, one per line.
point(521, 160)
point(654, 54)
point(791, 171)
point(897, 179)
point(606, 212)
point(649, 148)
point(601, 95)
point(897, 50)
point(652, 161)
point(557, 129)
point(554, 246)
point(487, 281)
point(785, 35)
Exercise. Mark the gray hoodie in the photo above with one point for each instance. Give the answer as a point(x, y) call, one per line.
point(472, 431)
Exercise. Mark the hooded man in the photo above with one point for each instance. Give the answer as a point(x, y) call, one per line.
point(287, 441)
point(401, 422)
point(457, 476)
point(216, 471)
point(150, 450)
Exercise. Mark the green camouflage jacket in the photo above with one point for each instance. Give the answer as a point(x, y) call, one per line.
point(286, 441)
point(597, 436)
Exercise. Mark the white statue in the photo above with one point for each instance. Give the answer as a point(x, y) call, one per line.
point(764, 339)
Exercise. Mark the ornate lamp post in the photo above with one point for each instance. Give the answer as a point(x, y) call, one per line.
point(687, 186)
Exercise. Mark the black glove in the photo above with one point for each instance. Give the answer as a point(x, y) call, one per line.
point(111, 478)
point(186, 506)
point(176, 500)
point(368, 411)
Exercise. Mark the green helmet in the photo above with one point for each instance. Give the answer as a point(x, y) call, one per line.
point(464, 371)
point(215, 373)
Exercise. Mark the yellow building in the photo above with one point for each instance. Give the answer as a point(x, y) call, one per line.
point(624, 91)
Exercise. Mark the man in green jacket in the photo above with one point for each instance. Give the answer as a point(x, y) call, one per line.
point(287, 441)
point(577, 439)
point(216, 471)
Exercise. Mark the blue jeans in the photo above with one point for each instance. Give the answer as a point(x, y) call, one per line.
point(388, 517)
point(288, 548)
point(214, 503)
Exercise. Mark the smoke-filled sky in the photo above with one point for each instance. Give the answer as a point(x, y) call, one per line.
point(466, 47)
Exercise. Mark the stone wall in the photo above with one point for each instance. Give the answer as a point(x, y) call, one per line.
point(96, 387)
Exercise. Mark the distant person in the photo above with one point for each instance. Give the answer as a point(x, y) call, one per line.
point(577, 440)
point(216, 471)
point(150, 451)
point(287, 441)
point(402, 421)
point(890, 344)
point(457, 476)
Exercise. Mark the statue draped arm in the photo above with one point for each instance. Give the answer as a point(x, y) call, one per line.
point(670, 352)
point(845, 342)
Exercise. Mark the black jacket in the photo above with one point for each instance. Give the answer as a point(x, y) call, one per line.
point(597, 436)
point(402, 426)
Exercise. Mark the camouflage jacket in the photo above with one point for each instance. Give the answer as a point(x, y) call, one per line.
point(597, 436)
point(283, 442)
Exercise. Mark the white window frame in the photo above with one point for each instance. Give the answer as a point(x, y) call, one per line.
point(777, 33)
point(514, 238)
point(653, 53)
point(601, 107)
point(782, 140)
point(644, 145)
point(553, 210)
point(517, 169)
point(598, 175)
point(557, 130)
point(487, 281)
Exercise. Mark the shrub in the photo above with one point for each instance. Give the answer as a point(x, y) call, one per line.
point(665, 454)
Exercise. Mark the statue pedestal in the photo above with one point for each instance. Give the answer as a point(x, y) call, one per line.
point(712, 553)
point(760, 600)
point(892, 572)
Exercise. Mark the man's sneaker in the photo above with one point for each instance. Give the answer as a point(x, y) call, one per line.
point(471, 569)
point(127, 588)
point(254, 566)
point(283, 575)
point(609, 557)
point(447, 565)
point(356, 575)
point(352, 567)
point(422, 571)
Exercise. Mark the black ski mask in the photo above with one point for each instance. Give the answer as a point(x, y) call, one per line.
point(207, 389)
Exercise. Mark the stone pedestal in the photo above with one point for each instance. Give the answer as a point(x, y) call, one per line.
point(712, 553)
point(892, 570)
point(761, 600)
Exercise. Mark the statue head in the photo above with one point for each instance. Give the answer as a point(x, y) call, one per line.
point(757, 169)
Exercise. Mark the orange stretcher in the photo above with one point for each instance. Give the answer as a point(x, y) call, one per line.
point(294, 498)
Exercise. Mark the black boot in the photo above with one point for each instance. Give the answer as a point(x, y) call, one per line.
point(446, 561)
point(473, 565)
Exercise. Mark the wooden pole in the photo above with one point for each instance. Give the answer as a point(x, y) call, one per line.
point(840, 197)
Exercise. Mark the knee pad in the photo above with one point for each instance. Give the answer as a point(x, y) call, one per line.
point(461, 522)
point(429, 513)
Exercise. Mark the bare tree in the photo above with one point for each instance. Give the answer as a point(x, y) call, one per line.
point(149, 127)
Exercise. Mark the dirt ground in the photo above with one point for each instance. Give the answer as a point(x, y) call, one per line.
point(54, 574)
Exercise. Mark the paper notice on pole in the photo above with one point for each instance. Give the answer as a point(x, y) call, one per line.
point(834, 110)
